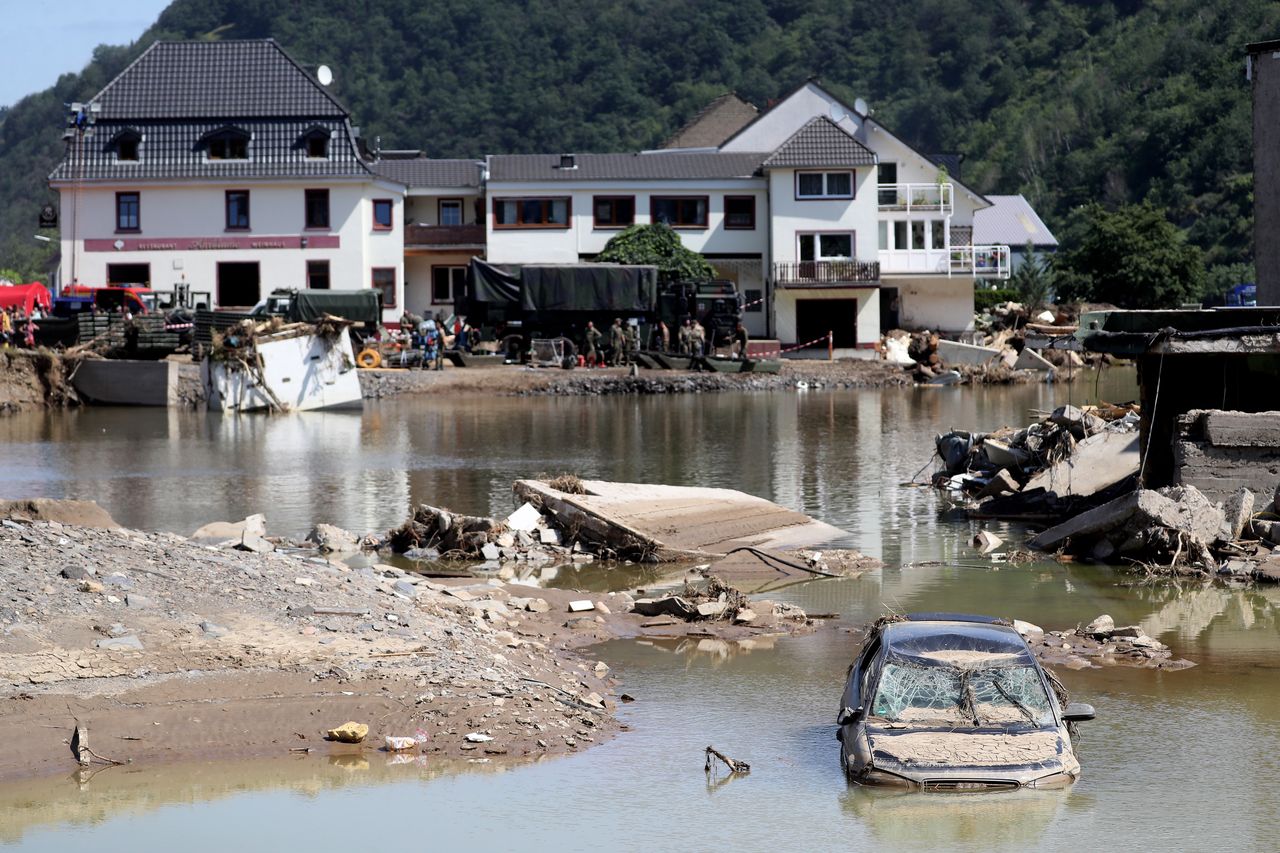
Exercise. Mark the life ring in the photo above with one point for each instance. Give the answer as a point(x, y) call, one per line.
point(369, 358)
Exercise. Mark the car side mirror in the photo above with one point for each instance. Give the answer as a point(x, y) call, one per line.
point(849, 715)
point(1077, 712)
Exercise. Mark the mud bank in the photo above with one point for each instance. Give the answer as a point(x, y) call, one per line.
point(513, 380)
point(168, 649)
point(32, 379)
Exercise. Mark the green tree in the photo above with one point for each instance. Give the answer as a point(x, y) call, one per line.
point(659, 245)
point(1033, 280)
point(1132, 257)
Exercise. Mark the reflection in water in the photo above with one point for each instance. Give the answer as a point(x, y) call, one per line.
point(990, 820)
point(1160, 742)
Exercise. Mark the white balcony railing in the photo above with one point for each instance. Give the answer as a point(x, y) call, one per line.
point(979, 261)
point(932, 198)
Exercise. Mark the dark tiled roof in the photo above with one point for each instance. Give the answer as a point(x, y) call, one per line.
point(175, 150)
point(215, 79)
point(425, 172)
point(820, 143)
point(624, 167)
point(714, 123)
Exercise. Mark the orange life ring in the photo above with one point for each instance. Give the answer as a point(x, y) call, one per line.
point(369, 358)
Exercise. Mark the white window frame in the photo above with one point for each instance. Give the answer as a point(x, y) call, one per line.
point(817, 245)
point(825, 194)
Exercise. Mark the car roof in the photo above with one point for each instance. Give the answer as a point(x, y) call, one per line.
point(918, 641)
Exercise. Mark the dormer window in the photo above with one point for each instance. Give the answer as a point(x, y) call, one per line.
point(316, 142)
point(126, 144)
point(229, 143)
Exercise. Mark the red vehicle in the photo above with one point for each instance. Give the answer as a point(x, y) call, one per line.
point(25, 297)
point(138, 300)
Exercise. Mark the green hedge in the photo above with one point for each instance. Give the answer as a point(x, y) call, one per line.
point(985, 300)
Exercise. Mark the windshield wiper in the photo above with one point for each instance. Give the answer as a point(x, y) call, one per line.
point(1026, 712)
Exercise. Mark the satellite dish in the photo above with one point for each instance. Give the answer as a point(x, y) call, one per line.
point(325, 75)
point(860, 107)
point(837, 113)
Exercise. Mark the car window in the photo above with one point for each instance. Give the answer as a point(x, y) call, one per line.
point(962, 696)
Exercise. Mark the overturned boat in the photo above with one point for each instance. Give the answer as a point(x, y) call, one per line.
point(277, 367)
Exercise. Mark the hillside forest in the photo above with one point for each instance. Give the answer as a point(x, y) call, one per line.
point(1087, 107)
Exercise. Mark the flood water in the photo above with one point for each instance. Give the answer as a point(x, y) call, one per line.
point(1179, 760)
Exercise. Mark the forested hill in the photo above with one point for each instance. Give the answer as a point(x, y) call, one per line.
point(1066, 102)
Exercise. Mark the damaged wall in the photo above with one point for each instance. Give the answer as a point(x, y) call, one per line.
point(1218, 452)
point(1173, 385)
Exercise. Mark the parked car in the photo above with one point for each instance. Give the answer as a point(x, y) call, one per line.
point(951, 702)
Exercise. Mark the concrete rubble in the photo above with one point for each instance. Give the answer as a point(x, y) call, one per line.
point(1072, 458)
point(1098, 644)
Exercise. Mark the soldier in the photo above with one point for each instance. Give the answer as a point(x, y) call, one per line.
point(633, 340)
point(617, 342)
point(591, 343)
point(740, 339)
point(698, 338)
point(682, 338)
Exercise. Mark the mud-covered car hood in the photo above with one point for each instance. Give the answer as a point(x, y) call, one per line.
point(912, 751)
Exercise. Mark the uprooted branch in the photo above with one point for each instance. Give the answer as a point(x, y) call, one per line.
point(733, 765)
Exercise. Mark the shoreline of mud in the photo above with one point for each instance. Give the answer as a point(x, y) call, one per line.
point(166, 649)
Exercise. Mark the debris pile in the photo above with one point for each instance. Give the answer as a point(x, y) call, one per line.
point(1176, 530)
point(716, 602)
point(1052, 467)
point(1098, 644)
point(433, 533)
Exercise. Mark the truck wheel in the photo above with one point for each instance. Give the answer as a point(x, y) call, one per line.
point(568, 363)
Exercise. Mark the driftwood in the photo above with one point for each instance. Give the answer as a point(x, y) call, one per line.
point(733, 765)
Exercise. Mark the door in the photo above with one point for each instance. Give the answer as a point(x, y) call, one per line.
point(889, 308)
point(816, 317)
point(238, 284)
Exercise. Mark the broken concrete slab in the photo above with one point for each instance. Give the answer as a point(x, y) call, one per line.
point(525, 518)
point(672, 522)
point(1176, 508)
point(1242, 429)
point(1029, 359)
point(1098, 462)
point(333, 540)
point(581, 606)
point(1236, 511)
point(1001, 454)
point(1001, 483)
point(1079, 422)
point(954, 352)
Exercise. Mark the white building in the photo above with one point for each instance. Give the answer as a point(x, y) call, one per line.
point(818, 211)
point(225, 167)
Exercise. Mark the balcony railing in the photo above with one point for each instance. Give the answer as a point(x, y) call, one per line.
point(444, 236)
point(980, 261)
point(931, 198)
point(840, 273)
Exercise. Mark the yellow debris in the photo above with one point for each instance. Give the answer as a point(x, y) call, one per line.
point(350, 732)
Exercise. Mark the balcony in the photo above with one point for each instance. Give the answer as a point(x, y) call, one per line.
point(838, 273)
point(444, 238)
point(912, 198)
point(977, 261)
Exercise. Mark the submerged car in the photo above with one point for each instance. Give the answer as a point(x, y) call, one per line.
point(950, 702)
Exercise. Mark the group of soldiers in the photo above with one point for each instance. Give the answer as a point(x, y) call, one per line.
point(624, 340)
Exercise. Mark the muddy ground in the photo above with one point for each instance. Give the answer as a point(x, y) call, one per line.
point(166, 648)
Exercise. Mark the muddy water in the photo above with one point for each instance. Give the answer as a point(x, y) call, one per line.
point(1181, 760)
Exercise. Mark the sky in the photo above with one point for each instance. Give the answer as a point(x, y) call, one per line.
point(43, 39)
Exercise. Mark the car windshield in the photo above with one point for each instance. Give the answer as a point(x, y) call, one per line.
point(976, 689)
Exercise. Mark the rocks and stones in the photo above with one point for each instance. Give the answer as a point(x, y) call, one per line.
point(548, 536)
point(90, 585)
point(477, 737)
point(118, 580)
point(75, 573)
point(1101, 626)
point(490, 551)
point(581, 606)
point(405, 588)
point(213, 630)
point(1029, 631)
point(348, 732)
point(121, 644)
point(138, 602)
point(745, 616)
point(670, 605)
point(1080, 423)
point(712, 609)
point(1001, 483)
point(333, 540)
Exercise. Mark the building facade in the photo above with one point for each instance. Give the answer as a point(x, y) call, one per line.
point(224, 168)
point(227, 169)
